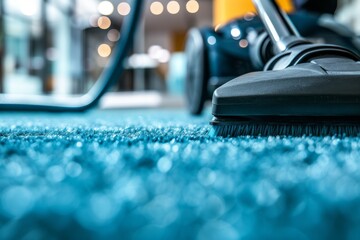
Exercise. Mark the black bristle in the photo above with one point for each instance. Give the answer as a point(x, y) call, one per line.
point(265, 128)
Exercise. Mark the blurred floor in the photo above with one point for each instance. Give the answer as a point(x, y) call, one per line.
point(157, 174)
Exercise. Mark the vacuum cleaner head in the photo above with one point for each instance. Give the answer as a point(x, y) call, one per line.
point(321, 97)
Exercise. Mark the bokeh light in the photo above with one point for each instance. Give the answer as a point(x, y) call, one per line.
point(28, 8)
point(156, 8)
point(243, 43)
point(93, 20)
point(211, 40)
point(104, 50)
point(192, 6)
point(235, 32)
point(105, 8)
point(173, 7)
point(113, 35)
point(124, 9)
point(153, 51)
point(104, 22)
point(158, 53)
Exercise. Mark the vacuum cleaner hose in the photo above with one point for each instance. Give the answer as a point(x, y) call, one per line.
point(110, 75)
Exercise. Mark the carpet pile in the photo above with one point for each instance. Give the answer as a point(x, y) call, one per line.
point(157, 174)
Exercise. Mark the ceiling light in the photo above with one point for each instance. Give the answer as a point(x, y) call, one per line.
point(124, 9)
point(173, 7)
point(104, 22)
point(104, 50)
point(105, 8)
point(156, 8)
point(192, 6)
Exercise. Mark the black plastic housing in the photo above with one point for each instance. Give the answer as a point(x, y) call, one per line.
point(327, 86)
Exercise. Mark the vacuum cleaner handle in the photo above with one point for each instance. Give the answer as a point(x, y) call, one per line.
point(282, 32)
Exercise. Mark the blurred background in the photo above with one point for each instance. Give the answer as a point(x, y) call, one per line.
point(62, 46)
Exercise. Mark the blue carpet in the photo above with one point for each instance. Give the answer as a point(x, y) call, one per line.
point(159, 175)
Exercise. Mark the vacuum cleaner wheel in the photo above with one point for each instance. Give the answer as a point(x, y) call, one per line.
point(196, 77)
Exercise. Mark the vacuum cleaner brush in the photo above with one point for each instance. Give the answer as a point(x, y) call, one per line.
point(306, 89)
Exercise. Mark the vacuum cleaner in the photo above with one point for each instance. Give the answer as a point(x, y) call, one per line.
point(110, 75)
point(305, 89)
point(216, 56)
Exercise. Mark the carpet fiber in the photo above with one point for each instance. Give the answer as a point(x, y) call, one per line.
point(157, 174)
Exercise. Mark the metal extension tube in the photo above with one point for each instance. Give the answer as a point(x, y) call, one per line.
point(282, 32)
